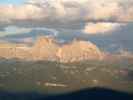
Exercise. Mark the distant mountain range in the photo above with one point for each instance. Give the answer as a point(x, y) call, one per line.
point(47, 48)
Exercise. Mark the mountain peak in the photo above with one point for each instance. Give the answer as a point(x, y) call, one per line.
point(44, 40)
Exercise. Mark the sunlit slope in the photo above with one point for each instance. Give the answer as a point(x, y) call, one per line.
point(46, 48)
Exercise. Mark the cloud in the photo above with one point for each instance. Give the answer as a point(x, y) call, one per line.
point(69, 9)
point(121, 37)
point(10, 13)
point(117, 10)
point(68, 14)
point(100, 28)
point(12, 30)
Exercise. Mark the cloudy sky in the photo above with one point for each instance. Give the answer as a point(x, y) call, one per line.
point(107, 23)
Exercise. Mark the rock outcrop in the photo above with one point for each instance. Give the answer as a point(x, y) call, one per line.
point(46, 48)
point(78, 51)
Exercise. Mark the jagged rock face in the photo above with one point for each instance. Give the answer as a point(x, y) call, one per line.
point(78, 51)
point(43, 41)
point(46, 48)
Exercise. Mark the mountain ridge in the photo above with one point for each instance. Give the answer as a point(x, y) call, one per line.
point(47, 48)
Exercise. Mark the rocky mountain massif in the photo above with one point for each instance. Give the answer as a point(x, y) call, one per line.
point(47, 48)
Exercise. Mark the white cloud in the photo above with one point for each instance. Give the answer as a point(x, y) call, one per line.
point(103, 9)
point(100, 28)
point(25, 12)
point(69, 11)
